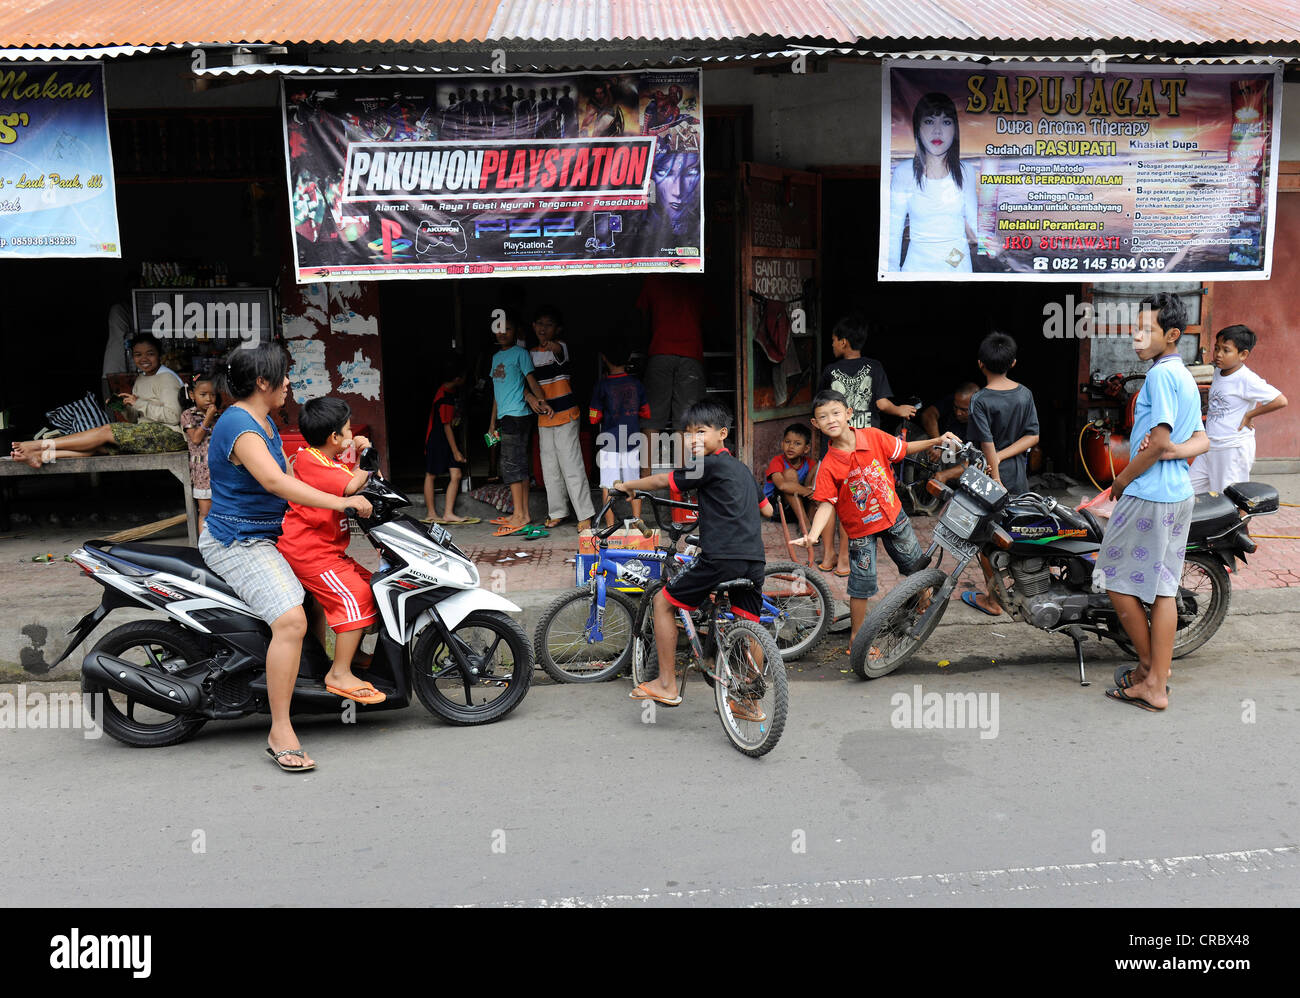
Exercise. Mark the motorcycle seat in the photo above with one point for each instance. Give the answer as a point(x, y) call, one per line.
point(185, 562)
point(1212, 514)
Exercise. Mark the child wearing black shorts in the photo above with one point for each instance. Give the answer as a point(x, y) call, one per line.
point(731, 544)
point(442, 453)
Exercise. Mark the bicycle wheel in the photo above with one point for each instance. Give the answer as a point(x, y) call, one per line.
point(753, 695)
point(804, 607)
point(562, 640)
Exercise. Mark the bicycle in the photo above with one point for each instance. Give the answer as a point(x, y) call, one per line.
point(585, 636)
point(747, 672)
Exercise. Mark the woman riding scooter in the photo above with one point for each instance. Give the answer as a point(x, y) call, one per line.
point(250, 490)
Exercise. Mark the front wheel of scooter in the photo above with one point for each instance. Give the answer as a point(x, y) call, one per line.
point(500, 656)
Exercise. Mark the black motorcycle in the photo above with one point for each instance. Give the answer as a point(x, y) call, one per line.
point(1042, 559)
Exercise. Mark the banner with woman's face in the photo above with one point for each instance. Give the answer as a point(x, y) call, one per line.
point(1049, 171)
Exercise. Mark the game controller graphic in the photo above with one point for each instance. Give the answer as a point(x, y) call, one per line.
point(439, 238)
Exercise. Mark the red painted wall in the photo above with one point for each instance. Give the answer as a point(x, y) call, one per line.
point(1272, 309)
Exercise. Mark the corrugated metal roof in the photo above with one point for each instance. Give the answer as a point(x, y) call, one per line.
point(129, 22)
point(777, 57)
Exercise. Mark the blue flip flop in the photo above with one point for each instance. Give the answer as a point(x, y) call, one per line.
point(975, 606)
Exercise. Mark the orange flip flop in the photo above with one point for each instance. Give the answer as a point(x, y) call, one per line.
point(506, 530)
point(640, 692)
point(359, 694)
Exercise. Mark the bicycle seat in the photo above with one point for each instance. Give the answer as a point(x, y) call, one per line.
point(735, 584)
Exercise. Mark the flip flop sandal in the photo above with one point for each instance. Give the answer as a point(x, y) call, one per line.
point(552, 524)
point(1124, 677)
point(1119, 695)
point(975, 606)
point(842, 575)
point(500, 521)
point(277, 756)
point(506, 530)
point(742, 713)
point(357, 693)
point(534, 533)
point(641, 693)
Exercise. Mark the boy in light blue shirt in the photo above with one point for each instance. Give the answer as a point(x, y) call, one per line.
point(1141, 556)
point(515, 391)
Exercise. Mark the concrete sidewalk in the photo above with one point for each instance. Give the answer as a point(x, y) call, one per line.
point(40, 602)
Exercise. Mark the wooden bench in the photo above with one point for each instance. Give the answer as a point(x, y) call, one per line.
point(177, 462)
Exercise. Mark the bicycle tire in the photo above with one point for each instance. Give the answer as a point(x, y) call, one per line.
point(818, 610)
point(560, 656)
point(752, 738)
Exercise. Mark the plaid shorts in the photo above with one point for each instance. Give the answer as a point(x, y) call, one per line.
point(257, 571)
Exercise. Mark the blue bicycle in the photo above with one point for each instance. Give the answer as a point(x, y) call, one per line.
point(585, 636)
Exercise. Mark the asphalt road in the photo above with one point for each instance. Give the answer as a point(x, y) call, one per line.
point(573, 800)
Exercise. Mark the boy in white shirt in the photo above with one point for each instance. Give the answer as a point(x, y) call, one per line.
point(1238, 396)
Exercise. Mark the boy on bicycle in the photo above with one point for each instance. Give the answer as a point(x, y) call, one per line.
point(731, 543)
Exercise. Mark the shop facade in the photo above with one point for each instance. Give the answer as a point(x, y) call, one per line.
point(790, 219)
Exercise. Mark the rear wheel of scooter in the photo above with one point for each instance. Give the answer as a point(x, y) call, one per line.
point(1205, 588)
point(886, 628)
point(148, 644)
point(496, 648)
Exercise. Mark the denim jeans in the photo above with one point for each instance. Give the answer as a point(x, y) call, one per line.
point(902, 545)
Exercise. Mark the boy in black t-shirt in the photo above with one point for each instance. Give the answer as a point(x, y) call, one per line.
point(731, 544)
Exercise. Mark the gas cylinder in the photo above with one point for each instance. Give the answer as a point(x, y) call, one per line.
point(1100, 449)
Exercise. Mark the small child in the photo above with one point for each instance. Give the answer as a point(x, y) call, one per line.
point(315, 541)
point(442, 453)
point(1004, 422)
point(856, 481)
point(196, 424)
point(1238, 396)
point(617, 406)
point(791, 471)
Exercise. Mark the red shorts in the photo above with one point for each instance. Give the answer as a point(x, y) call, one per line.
point(344, 592)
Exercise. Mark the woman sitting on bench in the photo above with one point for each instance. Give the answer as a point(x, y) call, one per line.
point(153, 405)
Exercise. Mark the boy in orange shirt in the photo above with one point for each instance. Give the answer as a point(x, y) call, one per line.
point(856, 482)
point(315, 541)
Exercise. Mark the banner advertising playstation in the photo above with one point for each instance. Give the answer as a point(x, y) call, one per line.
point(1100, 172)
point(495, 175)
point(56, 167)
